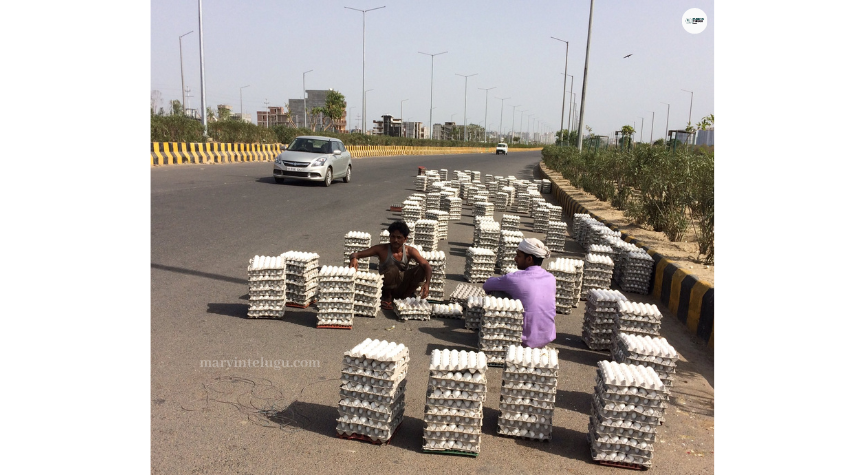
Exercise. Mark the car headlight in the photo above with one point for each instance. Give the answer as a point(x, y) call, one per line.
point(319, 161)
point(278, 161)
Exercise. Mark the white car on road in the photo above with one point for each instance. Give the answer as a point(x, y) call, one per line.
point(313, 158)
point(502, 148)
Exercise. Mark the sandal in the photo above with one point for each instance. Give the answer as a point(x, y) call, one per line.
point(386, 305)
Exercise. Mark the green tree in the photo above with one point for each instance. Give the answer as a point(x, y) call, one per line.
point(211, 116)
point(708, 121)
point(627, 134)
point(224, 113)
point(176, 107)
point(334, 107)
point(316, 112)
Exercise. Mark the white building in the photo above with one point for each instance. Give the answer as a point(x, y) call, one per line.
point(706, 137)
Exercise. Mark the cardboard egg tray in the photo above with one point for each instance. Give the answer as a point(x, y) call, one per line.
point(442, 217)
point(463, 291)
point(500, 201)
point(542, 220)
point(454, 208)
point(411, 213)
point(510, 222)
point(420, 182)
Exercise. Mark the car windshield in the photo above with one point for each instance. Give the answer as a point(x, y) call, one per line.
point(503, 145)
point(310, 145)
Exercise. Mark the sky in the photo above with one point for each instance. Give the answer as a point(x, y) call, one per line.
point(269, 44)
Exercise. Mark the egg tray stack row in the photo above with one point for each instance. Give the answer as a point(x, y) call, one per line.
point(412, 309)
point(266, 287)
point(653, 352)
point(620, 251)
point(599, 320)
point(454, 208)
point(367, 293)
point(585, 222)
point(484, 208)
point(426, 234)
point(556, 233)
point(511, 191)
point(602, 250)
point(336, 297)
point(463, 291)
point(627, 408)
point(541, 222)
point(456, 392)
point(480, 264)
point(510, 222)
point(501, 201)
point(597, 273)
point(501, 326)
point(566, 276)
point(524, 201)
point(487, 234)
point(411, 213)
point(448, 310)
point(595, 234)
point(578, 265)
point(507, 250)
point(372, 390)
point(301, 277)
point(357, 241)
point(638, 318)
point(442, 217)
point(433, 201)
point(578, 227)
point(528, 396)
point(546, 186)
point(474, 312)
point(438, 261)
point(420, 182)
point(637, 270)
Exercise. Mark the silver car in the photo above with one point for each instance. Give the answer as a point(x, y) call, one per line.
point(313, 158)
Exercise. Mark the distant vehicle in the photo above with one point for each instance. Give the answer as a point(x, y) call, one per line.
point(502, 148)
point(313, 158)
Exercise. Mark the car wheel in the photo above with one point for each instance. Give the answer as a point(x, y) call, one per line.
point(347, 177)
point(328, 177)
point(278, 180)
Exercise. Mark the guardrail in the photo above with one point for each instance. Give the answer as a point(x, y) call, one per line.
point(178, 153)
point(691, 300)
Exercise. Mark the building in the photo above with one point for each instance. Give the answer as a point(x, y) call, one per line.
point(437, 131)
point(315, 98)
point(387, 126)
point(706, 137)
point(246, 117)
point(414, 130)
point(444, 132)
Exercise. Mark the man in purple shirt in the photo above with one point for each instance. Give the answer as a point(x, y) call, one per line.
point(535, 288)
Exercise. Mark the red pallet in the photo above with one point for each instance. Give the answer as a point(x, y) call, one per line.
point(366, 438)
point(297, 305)
point(334, 327)
point(396, 208)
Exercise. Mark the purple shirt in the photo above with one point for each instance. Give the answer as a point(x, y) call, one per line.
point(536, 289)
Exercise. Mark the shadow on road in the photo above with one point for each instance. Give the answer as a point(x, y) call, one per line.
point(196, 273)
point(228, 309)
point(574, 401)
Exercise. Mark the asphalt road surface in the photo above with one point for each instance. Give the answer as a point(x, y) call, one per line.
point(207, 221)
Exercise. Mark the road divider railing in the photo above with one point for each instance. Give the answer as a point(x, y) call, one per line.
point(692, 301)
point(179, 153)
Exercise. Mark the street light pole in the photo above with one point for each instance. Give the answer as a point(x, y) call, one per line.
point(690, 109)
point(513, 117)
point(241, 102)
point(201, 53)
point(304, 97)
point(501, 113)
point(667, 134)
point(585, 77)
point(520, 133)
point(182, 83)
point(465, 103)
point(432, 77)
point(486, 107)
point(400, 116)
point(349, 118)
point(363, 80)
point(641, 130)
point(529, 126)
point(652, 133)
point(571, 101)
point(565, 85)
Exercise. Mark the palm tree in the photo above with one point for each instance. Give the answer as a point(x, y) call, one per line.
point(334, 107)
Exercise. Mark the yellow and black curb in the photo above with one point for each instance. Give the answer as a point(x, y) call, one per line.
point(177, 153)
point(692, 301)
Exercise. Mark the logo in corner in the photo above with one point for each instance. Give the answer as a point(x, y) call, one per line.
point(694, 21)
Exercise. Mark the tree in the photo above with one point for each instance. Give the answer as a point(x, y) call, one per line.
point(334, 107)
point(708, 121)
point(155, 100)
point(176, 107)
point(210, 114)
point(317, 111)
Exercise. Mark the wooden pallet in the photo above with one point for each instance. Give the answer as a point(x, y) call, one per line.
point(297, 305)
point(334, 327)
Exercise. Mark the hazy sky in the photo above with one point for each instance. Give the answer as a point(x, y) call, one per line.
point(269, 44)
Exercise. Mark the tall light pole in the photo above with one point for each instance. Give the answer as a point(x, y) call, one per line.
point(571, 101)
point(432, 77)
point(667, 133)
point(513, 117)
point(182, 83)
point(652, 133)
point(529, 126)
point(501, 113)
point(520, 133)
point(241, 102)
point(641, 129)
point(304, 97)
point(486, 107)
point(465, 104)
point(349, 118)
point(585, 77)
point(565, 85)
point(363, 79)
point(400, 116)
point(201, 53)
point(691, 108)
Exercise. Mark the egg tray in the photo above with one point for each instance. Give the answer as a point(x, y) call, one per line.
point(630, 447)
point(548, 386)
point(373, 394)
point(376, 440)
point(652, 330)
point(454, 435)
point(299, 300)
point(378, 418)
point(275, 305)
point(595, 343)
point(379, 384)
point(634, 353)
point(623, 416)
point(658, 403)
point(477, 394)
point(499, 333)
point(453, 428)
point(535, 395)
point(538, 409)
point(507, 430)
point(277, 314)
point(454, 403)
point(479, 386)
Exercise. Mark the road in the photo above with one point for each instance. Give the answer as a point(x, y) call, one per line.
point(208, 221)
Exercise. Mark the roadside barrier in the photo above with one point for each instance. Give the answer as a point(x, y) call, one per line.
point(692, 301)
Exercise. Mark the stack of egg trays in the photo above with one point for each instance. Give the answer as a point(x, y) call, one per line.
point(493, 187)
point(620, 250)
point(627, 408)
point(524, 202)
point(412, 309)
point(483, 196)
point(597, 273)
point(454, 208)
point(372, 393)
point(566, 276)
point(437, 260)
point(461, 294)
point(266, 287)
point(546, 186)
point(476, 175)
point(442, 217)
point(426, 234)
point(336, 296)
point(356, 241)
point(596, 233)
point(577, 264)
point(638, 318)
point(542, 220)
point(510, 222)
point(411, 213)
point(507, 250)
point(384, 237)
point(501, 327)
point(599, 321)
point(301, 277)
point(539, 184)
point(528, 396)
point(578, 226)
point(480, 264)
point(451, 310)
point(484, 208)
point(557, 231)
point(420, 182)
point(509, 269)
point(464, 189)
point(367, 293)
point(474, 311)
point(471, 194)
point(488, 179)
point(602, 250)
point(501, 201)
point(637, 272)
point(653, 352)
point(555, 212)
point(433, 176)
point(457, 389)
point(433, 200)
point(410, 239)
point(511, 191)
point(443, 174)
point(487, 234)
